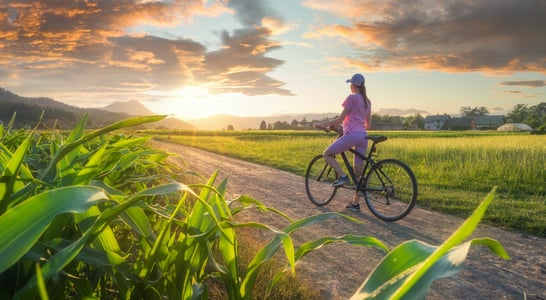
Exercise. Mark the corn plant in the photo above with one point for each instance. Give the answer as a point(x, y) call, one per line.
point(408, 271)
point(95, 215)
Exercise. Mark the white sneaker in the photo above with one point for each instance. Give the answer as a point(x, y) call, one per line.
point(342, 180)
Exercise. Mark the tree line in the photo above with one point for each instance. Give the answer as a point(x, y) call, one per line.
point(534, 116)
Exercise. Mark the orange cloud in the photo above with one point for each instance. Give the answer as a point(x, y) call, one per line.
point(525, 83)
point(85, 45)
point(453, 36)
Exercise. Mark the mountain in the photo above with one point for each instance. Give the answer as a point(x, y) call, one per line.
point(174, 123)
point(28, 111)
point(135, 108)
point(219, 122)
point(132, 107)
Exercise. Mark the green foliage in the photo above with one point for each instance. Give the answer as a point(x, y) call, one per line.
point(534, 116)
point(408, 271)
point(475, 111)
point(95, 215)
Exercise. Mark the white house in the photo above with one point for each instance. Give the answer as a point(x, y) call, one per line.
point(435, 122)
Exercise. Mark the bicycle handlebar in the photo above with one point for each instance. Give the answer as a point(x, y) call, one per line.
point(337, 129)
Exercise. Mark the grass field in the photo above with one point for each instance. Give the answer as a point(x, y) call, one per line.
point(454, 169)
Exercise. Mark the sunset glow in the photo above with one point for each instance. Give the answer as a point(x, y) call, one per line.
point(197, 58)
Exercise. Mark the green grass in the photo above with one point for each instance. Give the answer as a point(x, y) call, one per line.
point(454, 169)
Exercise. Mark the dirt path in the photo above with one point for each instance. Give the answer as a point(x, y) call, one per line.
point(339, 269)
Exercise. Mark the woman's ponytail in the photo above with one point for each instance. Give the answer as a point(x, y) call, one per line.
point(362, 91)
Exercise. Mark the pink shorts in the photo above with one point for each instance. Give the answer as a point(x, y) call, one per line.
point(355, 140)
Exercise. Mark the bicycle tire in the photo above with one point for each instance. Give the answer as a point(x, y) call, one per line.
point(391, 190)
point(319, 177)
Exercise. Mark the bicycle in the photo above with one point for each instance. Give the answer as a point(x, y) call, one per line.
point(388, 186)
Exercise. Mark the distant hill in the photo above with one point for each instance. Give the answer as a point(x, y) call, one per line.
point(132, 107)
point(135, 108)
point(63, 116)
point(220, 122)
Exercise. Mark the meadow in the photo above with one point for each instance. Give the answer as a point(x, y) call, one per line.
point(453, 169)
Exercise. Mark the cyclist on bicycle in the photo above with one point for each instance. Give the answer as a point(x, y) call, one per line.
point(356, 118)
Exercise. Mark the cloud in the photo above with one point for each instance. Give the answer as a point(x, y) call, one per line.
point(65, 47)
point(520, 94)
point(453, 36)
point(241, 65)
point(400, 112)
point(525, 83)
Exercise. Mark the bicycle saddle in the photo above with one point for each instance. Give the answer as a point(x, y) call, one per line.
point(377, 138)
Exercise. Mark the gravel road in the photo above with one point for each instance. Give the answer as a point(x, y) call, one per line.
point(339, 269)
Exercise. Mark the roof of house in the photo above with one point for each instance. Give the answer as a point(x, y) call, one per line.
point(435, 118)
point(489, 120)
point(459, 122)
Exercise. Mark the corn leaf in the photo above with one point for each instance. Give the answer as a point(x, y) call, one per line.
point(10, 172)
point(271, 248)
point(305, 248)
point(22, 225)
point(408, 270)
point(65, 166)
point(69, 147)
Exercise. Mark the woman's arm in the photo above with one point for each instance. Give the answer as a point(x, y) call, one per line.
point(333, 122)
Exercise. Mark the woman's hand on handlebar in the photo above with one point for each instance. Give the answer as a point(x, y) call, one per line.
point(327, 128)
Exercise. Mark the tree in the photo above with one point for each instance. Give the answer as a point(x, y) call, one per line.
point(467, 111)
point(534, 116)
point(416, 119)
point(295, 123)
point(230, 127)
point(537, 116)
point(520, 113)
point(263, 125)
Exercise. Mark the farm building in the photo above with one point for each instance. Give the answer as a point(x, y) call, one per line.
point(435, 122)
point(489, 122)
point(515, 127)
point(464, 123)
point(388, 125)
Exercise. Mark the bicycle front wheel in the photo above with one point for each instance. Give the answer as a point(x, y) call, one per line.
point(318, 181)
point(391, 190)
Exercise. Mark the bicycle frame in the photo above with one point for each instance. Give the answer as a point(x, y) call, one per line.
point(369, 163)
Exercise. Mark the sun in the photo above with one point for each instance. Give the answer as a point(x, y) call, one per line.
point(196, 102)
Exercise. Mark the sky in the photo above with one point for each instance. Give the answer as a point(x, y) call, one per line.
point(196, 58)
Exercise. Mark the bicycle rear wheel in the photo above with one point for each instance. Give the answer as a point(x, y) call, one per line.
point(391, 190)
point(318, 181)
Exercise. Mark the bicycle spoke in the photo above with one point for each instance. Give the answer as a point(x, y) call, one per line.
point(391, 190)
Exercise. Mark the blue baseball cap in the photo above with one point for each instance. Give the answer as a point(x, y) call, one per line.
point(357, 79)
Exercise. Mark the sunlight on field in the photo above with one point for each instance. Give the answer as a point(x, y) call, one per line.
point(452, 169)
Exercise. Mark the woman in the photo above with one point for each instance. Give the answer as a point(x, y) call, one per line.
point(356, 118)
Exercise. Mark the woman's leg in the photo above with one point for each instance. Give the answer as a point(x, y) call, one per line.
point(340, 145)
point(358, 163)
point(361, 147)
